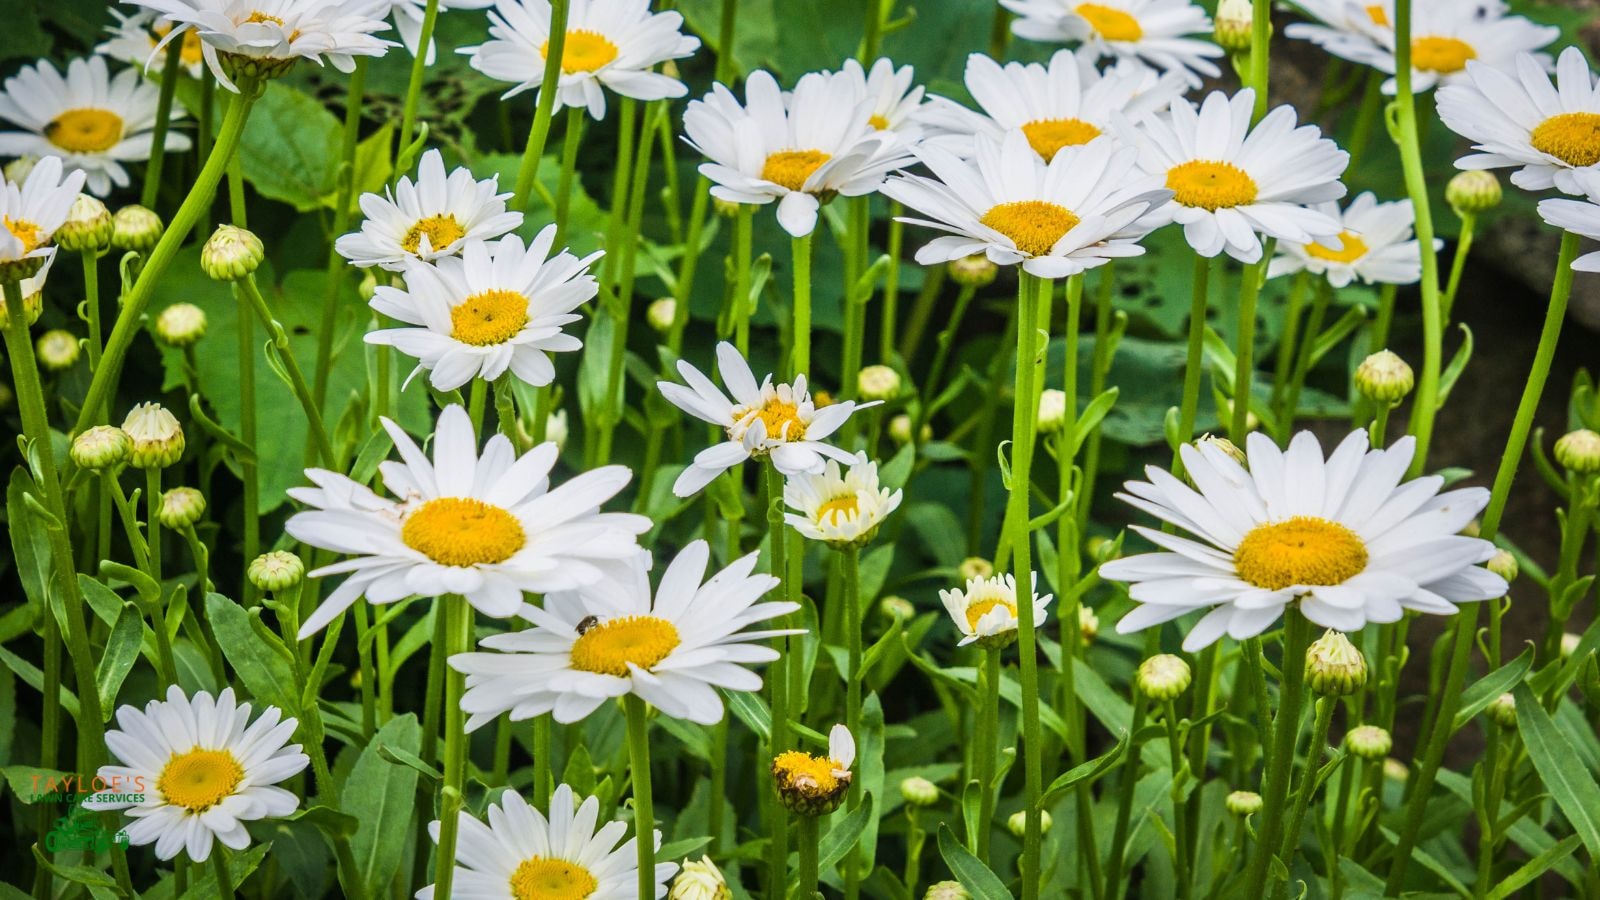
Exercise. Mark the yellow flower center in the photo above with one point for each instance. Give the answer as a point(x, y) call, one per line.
point(584, 51)
point(838, 510)
point(85, 130)
point(806, 774)
point(1109, 22)
point(1441, 54)
point(462, 532)
point(492, 317)
point(543, 878)
point(976, 611)
point(781, 419)
point(1351, 249)
point(1379, 17)
point(1210, 185)
point(608, 648)
point(1573, 138)
point(1033, 225)
point(257, 17)
point(441, 231)
point(878, 123)
point(791, 168)
point(1046, 136)
point(31, 235)
point(1302, 550)
point(199, 779)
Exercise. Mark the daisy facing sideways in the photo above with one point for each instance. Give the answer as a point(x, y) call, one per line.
point(1375, 246)
point(429, 218)
point(894, 99)
point(523, 853)
point(813, 785)
point(30, 213)
point(612, 638)
point(839, 508)
point(135, 36)
point(1446, 35)
point(760, 420)
point(488, 527)
point(1580, 217)
point(985, 609)
point(1169, 35)
point(1342, 538)
point(206, 770)
point(497, 307)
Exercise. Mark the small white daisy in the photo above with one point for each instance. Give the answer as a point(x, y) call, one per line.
point(1375, 246)
point(612, 638)
point(839, 508)
point(1231, 181)
point(523, 855)
point(408, 16)
point(1171, 35)
point(816, 785)
point(761, 419)
point(1078, 211)
point(985, 609)
point(1445, 36)
point(1581, 217)
point(31, 213)
point(135, 37)
point(205, 768)
point(797, 149)
point(497, 307)
point(1342, 538)
point(609, 44)
point(487, 527)
point(894, 99)
point(429, 218)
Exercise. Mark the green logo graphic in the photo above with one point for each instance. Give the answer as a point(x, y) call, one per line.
point(78, 830)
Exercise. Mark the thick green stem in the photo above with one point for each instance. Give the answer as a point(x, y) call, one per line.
point(1180, 818)
point(219, 859)
point(1260, 46)
point(1280, 764)
point(1128, 779)
point(800, 356)
point(570, 142)
point(540, 132)
point(777, 681)
point(458, 635)
point(644, 823)
point(807, 844)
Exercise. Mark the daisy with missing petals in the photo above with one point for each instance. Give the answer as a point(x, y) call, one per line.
point(1231, 181)
point(797, 149)
point(816, 785)
point(497, 307)
point(1342, 538)
point(135, 37)
point(839, 509)
point(1154, 32)
point(1445, 36)
point(94, 122)
point(1059, 218)
point(429, 218)
point(612, 638)
point(1581, 217)
point(761, 420)
point(487, 527)
point(206, 770)
point(609, 44)
point(522, 854)
point(985, 610)
point(31, 213)
point(1375, 246)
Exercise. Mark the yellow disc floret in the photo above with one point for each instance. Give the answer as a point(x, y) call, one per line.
point(584, 51)
point(1441, 54)
point(1211, 185)
point(462, 532)
point(610, 646)
point(543, 878)
point(85, 130)
point(838, 510)
point(199, 779)
point(1033, 225)
point(1047, 136)
point(1351, 248)
point(791, 168)
point(1110, 23)
point(489, 318)
point(1303, 550)
point(441, 231)
point(1573, 138)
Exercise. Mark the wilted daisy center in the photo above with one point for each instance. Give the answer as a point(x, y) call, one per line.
point(1210, 185)
point(797, 770)
point(31, 235)
point(791, 168)
point(461, 531)
point(1109, 22)
point(584, 51)
point(1301, 550)
point(1351, 248)
point(85, 130)
point(199, 779)
point(1046, 136)
point(1441, 54)
point(441, 231)
point(1033, 225)
point(542, 878)
point(781, 419)
point(610, 646)
point(1573, 138)
point(489, 318)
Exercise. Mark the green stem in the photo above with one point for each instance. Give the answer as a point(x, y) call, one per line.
point(777, 679)
point(1180, 818)
point(941, 355)
point(458, 636)
point(890, 316)
point(1302, 365)
point(807, 844)
point(540, 132)
point(743, 226)
point(986, 751)
point(354, 97)
point(1194, 363)
point(152, 509)
point(1289, 339)
point(1280, 765)
point(219, 859)
point(1307, 785)
point(542, 741)
point(1245, 349)
point(800, 358)
point(249, 468)
point(251, 294)
point(1126, 783)
point(851, 558)
point(1260, 45)
point(158, 134)
point(644, 822)
point(1458, 263)
point(570, 142)
point(419, 67)
point(726, 31)
point(719, 784)
point(91, 305)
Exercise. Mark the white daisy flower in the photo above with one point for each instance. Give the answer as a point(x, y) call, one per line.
point(894, 99)
point(497, 307)
point(1231, 181)
point(1581, 217)
point(1340, 537)
point(796, 148)
point(429, 218)
point(612, 638)
point(488, 527)
point(135, 37)
point(205, 770)
point(985, 610)
point(266, 37)
point(523, 854)
point(31, 213)
point(609, 44)
point(761, 419)
point(816, 785)
point(1154, 32)
point(1078, 211)
point(1375, 246)
point(94, 122)
point(408, 16)
point(839, 508)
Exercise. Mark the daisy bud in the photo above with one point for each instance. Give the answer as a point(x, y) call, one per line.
point(1334, 667)
point(181, 325)
point(1243, 803)
point(878, 383)
point(555, 428)
point(57, 349)
point(973, 271)
point(1396, 770)
point(1384, 377)
point(1503, 711)
point(699, 880)
point(1233, 25)
point(18, 170)
point(1470, 193)
point(1369, 742)
point(368, 288)
point(895, 609)
point(946, 890)
point(1163, 677)
point(87, 228)
point(275, 571)
point(1088, 625)
point(231, 253)
point(135, 228)
point(1223, 444)
point(157, 437)
point(974, 567)
point(900, 430)
point(1579, 452)
point(919, 791)
point(1504, 564)
point(1100, 548)
point(1052, 411)
point(660, 314)
point(101, 447)
point(181, 507)
point(32, 305)
point(1569, 644)
point(725, 208)
point(1017, 823)
point(254, 68)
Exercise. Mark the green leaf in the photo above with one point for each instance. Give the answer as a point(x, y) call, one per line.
point(1477, 698)
point(84, 875)
point(329, 820)
point(29, 543)
point(382, 797)
point(121, 652)
point(1533, 868)
point(263, 667)
point(1573, 788)
point(751, 711)
point(1088, 770)
point(969, 870)
point(844, 835)
point(290, 151)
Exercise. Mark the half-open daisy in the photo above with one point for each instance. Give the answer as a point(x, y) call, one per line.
point(762, 419)
point(487, 527)
point(609, 44)
point(1171, 35)
point(1375, 245)
point(206, 770)
point(1581, 217)
point(524, 855)
point(839, 508)
point(894, 99)
point(1056, 219)
point(135, 37)
point(1445, 36)
point(31, 213)
point(815, 785)
point(429, 218)
point(985, 609)
point(496, 307)
point(1342, 538)
point(612, 638)
point(1231, 182)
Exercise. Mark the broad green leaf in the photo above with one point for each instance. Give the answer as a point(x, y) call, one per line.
point(263, 666)
point(381, 795)
point(1573, 787)
point(976, 877)
point(121, 652)
point(290, 150)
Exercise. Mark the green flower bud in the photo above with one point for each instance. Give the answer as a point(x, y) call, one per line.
point(181, 507)
point(896, 608)
point(1334, 667)
point(1088, 625)
point(1163, 677)
point(1504, 564)
point(18, 170)
point(1396, 770)
point(1243, 803)
point(975, 271)
point(1052, 411)
point(725, 208)
point(231, 253)
point(1502, 711)
point(181, 325)
point(919, 791)
point(1579, 452)
point(1369, 742)
point(1473, 192)
point(878, 383)
point(1017, 823)
point(101, 447)
point(1384, 377)
point(88, 226)
point(32, 301)
point(974, 567)
point(900, 430)
point(946, 890)
point(135, 228)
point(157, 436)
point(1233, 25)
point(57, 349)
point(660, 314)
point(275, 571)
